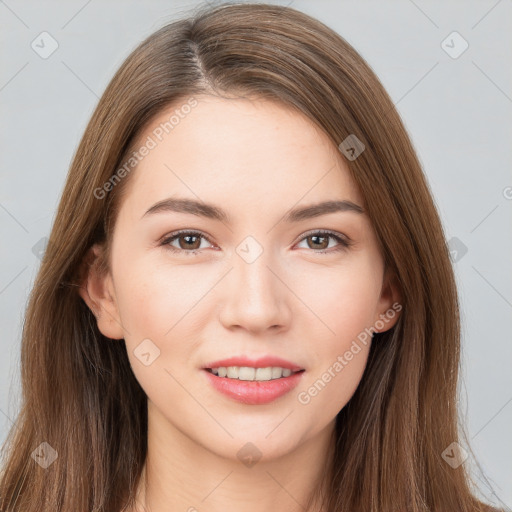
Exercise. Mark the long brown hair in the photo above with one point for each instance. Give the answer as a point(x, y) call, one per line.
point(79, 393)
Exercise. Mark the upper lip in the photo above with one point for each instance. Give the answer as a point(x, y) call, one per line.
point(262, 362)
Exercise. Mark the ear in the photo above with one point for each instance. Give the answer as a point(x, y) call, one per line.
point(97, 290)
point(390, 303)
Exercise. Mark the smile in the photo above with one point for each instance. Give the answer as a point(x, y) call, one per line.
point(249, 373)
point(252, 391)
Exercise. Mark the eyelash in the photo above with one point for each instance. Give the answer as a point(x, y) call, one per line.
point(344, 243)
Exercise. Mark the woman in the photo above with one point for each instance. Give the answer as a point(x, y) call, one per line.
point(247, 298)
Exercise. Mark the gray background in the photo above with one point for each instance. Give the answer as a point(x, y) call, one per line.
point(457, 111)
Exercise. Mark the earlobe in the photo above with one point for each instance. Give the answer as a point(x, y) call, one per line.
point(96, 289)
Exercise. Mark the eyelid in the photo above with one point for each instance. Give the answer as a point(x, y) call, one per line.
point(344, 242)
point(331, 232)
point(164, 240)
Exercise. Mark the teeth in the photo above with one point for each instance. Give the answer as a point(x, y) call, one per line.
point(232, 372)
point(263, 374)
point(249, 373)
point(244, 373)
point(277, 372)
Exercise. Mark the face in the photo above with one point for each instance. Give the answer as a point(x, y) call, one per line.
point(246, 279)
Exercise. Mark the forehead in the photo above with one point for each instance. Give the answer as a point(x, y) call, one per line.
point(245, 153)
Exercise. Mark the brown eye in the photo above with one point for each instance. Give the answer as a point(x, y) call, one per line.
point(319, 241)
point(189, 242)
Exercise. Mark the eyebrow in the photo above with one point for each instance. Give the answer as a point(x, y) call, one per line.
point(210, 211)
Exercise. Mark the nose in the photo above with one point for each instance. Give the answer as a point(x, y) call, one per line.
point(255, 297)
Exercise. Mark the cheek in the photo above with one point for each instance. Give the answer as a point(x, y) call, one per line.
point(154, 315)
point(345, 307)
point(342, 301)
point(169, 305)
point(163, 303)
point(155, 298)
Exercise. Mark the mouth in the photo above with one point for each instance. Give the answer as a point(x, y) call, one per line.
point(253, 382)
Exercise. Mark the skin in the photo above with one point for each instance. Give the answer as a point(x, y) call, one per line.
point(255, 159)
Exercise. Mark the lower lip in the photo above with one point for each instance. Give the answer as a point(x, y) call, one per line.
point(254, 392)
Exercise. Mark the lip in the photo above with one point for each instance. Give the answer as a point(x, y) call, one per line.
point(253, 392)
point(262, 362)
